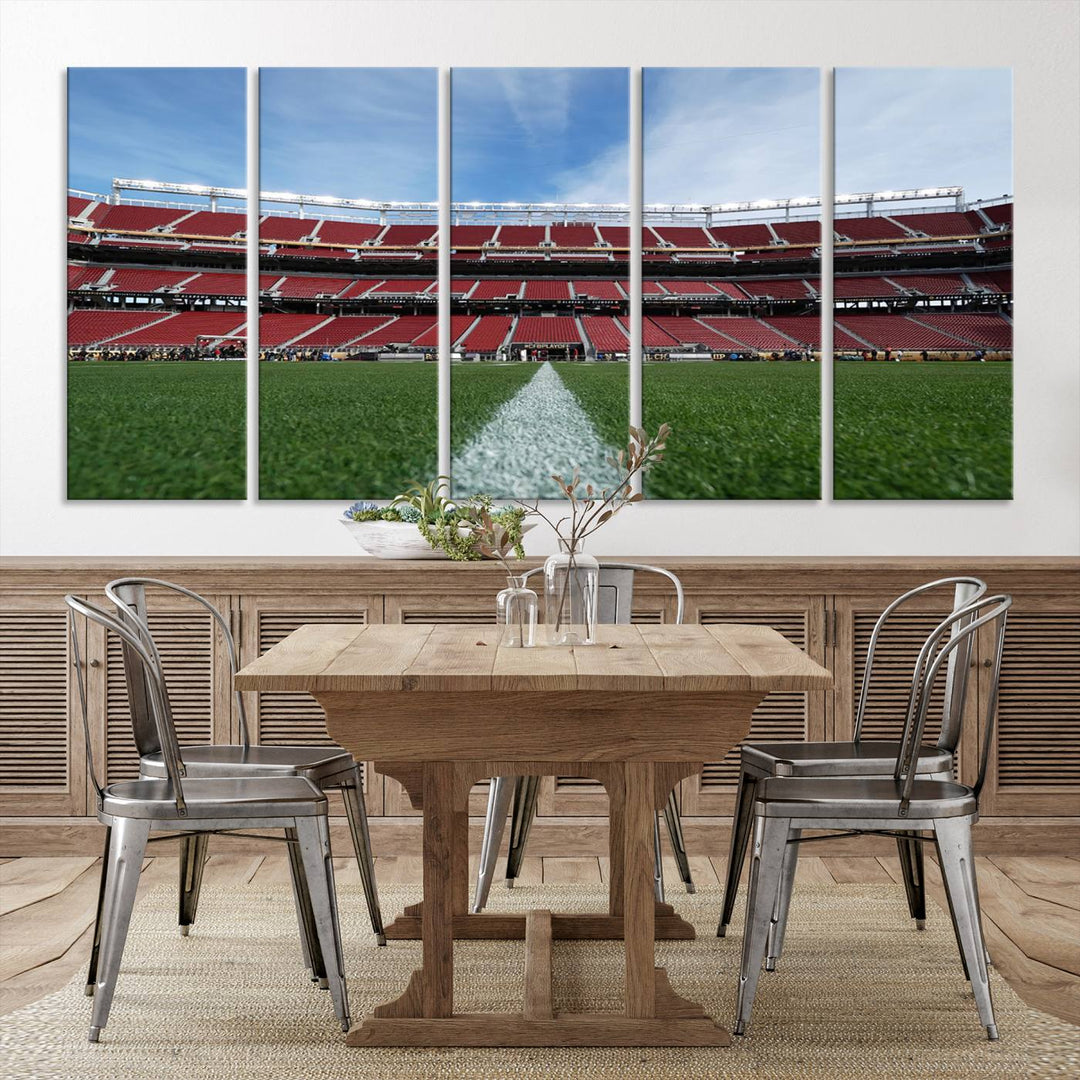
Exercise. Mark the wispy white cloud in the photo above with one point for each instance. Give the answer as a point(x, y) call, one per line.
point(350, 132)
point(917, 127)
point(730, 134)
point(539, 134)
point(182, 124)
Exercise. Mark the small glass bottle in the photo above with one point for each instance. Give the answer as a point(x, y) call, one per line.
point(571, 585)
point(515, 609)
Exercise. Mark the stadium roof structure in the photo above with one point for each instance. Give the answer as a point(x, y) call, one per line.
point(569, 211)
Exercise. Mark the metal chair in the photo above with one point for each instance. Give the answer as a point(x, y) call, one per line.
point(860, 757)
point(327, 767)
point(615, 597)
point(178, 805)
point(901, 805)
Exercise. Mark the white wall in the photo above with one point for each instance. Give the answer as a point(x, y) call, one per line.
point(1039, 40)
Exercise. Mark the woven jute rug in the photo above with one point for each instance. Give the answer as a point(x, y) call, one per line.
point(860, 993)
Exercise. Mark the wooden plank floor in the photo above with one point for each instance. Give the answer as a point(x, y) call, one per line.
point(1031, 910)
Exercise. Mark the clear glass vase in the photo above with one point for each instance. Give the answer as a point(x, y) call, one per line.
point(571, 584)
point(515, 609)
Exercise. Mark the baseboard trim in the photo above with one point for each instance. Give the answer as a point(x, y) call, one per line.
point(550, 836)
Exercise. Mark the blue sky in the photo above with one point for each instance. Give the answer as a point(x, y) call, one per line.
point(924, 127)
point(715, 135)
point(364, 133)
point(540, 134)
point(179, 124)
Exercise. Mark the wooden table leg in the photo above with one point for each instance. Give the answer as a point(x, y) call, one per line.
point(653, 1014)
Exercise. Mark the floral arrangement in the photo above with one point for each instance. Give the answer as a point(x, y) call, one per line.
point(465, 531)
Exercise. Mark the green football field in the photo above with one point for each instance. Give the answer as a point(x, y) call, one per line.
point(156, 431)
point(738, 430)
point(922, 431)
point(343, 431)
point(478, 389)
point(346, 430)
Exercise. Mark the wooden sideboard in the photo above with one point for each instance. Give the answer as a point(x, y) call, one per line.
point(825, 605)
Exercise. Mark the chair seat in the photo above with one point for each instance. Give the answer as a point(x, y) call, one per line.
point(847, 797)
point(224, 759)
point(863, 758)
point(222, 797)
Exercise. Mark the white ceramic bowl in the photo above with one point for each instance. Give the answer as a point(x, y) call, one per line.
point(392, 539)
point(397, 539)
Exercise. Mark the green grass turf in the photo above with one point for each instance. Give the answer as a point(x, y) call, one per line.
point(738, 430)
point(346, 430)
point(603, 391)
point(477, 390)
point(922, 431)
point(156, 430)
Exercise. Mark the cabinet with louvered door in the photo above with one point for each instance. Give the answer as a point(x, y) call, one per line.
point(196, 667)
point(1034, 766)
point(577, 796)
point(425, 610)
point(285, 718)
point(42, 756)
point(783, 716)
point(894, 665)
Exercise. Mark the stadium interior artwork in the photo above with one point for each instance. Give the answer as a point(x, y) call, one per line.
point(745, 301)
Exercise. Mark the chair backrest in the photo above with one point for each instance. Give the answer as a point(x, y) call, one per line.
point(129, 597)
point(965, 590)
point(615, 593)
point(149, 679)
point(955, 634)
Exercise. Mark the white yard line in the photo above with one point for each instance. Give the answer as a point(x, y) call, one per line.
point(542, 429)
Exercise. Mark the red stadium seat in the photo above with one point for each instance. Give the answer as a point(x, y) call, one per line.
point(487, 335)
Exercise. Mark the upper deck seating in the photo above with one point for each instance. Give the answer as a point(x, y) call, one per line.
point(546, 330)
point(547, 289)
point(575, 234)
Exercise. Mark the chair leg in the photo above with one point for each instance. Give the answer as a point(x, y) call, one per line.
point(658, 862)
point(678, 844)
point(783, 900)
point(953, 838)
point(499, 795)
point(356, 814)
point(192, 861)
point(126, 850)
point(766, 865)
point(526, 791)
point(313, 834)
point(741, 826)
point(911, 865)
point(95, 949)
point(309, 943)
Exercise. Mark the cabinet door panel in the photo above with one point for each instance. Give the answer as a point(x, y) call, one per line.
point(1034, 766)
point(282, 717)
point(42, 753)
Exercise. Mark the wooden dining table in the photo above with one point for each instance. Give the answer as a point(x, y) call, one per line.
point(441, 707)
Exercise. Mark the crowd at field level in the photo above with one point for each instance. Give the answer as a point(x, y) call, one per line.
point(237, 352)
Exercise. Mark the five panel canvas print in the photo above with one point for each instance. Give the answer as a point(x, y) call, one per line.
point(730, 311)
point(541, 181)
point(347, 258)
point(922, 407)
point(541, 339)
point(156, 283)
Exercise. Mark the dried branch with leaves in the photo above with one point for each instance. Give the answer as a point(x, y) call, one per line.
point(589, 507)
